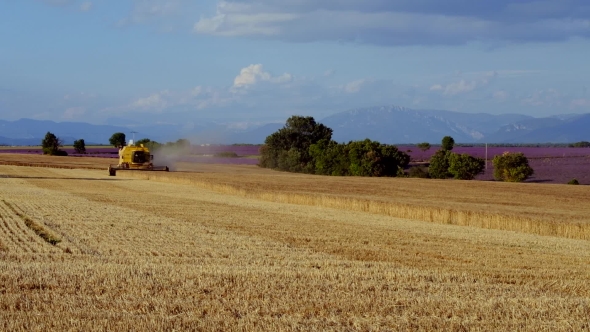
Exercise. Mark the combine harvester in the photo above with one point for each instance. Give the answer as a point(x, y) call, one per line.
point(135, 158)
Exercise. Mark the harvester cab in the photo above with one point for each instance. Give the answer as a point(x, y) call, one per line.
point(135, 158)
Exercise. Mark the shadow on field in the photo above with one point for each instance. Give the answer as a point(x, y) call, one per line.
point(539, 180)
point(59, 178)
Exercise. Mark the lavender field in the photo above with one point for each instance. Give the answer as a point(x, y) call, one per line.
point(480, 152)
point(551, 165)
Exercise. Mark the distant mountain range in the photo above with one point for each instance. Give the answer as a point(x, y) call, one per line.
point(386, 124)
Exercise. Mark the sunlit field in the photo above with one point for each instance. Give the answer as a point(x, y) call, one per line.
point(226, 247)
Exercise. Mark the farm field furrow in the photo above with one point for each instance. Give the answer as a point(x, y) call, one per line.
point(147, 255)
point(17, 236)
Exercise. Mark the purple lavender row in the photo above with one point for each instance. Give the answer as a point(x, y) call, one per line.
point(530, 152)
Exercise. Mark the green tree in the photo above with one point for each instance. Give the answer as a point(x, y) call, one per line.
point(512, 167)
point(117, 140)
point(330, 158)
point(288, 148)
point(418, 172)
point(144, 141)
point(371, 158)
point(51, 144)
point(80, 146)
point(448, 143)
point(581, 144)
point(424, 146)
point(148, 143)
point(439, 165)
point(464, 166)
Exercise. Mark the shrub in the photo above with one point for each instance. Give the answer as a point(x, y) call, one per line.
point(439, 165)
point(423, 146)
point(227, 154)
point(581, 144)
point(418, 172)
point(330, 158)
point(574, 182)
point(371, 158)
point(464, 166)
point(512, 167)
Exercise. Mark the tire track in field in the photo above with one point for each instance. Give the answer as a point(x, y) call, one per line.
point(18, 236)
point(69, 243)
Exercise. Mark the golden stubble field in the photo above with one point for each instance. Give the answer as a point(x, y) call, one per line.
point(217, 254)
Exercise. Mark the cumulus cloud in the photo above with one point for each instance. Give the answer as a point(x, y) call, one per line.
point(354, 86)
point(463, 85)
point(402, 22)
point(156, 101)
point(255, 73)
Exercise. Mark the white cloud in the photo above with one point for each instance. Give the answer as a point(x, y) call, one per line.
point(354, 86)
point(463, 85)
point(86, 6)
point(156, 101)
point(255, 73)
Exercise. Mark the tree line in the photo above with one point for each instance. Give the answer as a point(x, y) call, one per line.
point(51, 144)
point(306, 146)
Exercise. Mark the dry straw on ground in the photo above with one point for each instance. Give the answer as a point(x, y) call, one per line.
point(147, 255)
point(555, 210)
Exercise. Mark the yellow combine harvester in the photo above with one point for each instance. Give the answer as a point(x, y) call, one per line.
point(135, 158)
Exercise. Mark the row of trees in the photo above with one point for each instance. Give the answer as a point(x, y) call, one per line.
point(305, 146)
point(52, 145)
point(119, 140)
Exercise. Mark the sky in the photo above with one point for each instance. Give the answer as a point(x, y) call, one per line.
point(155, 61)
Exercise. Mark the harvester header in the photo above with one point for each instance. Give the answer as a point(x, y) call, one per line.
point(135, 158)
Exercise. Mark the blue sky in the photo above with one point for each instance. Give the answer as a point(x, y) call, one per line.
point(175, 61)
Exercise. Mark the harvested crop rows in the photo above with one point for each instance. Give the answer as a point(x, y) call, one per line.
point(146, 255)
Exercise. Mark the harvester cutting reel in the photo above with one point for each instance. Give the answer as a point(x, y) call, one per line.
point(113, 169)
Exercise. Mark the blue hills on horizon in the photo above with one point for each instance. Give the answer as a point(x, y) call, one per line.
point(386, 124)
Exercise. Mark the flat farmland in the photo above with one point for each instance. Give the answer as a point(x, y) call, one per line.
point(240, 248)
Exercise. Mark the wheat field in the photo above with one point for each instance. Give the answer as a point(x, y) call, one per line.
point(243, 249)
